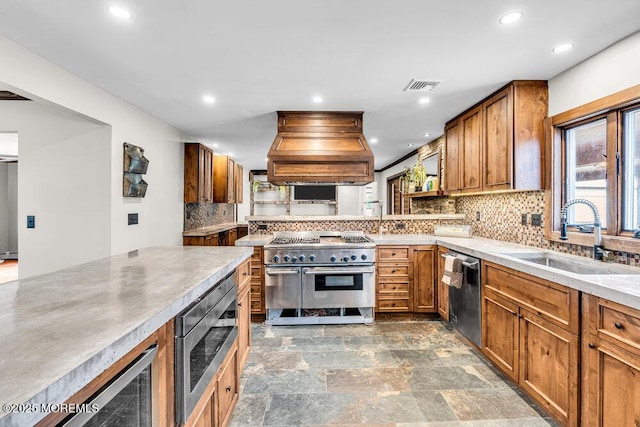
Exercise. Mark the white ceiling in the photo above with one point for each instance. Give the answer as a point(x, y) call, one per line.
point(257, 57)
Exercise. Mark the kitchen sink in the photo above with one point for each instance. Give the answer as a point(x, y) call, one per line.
point(572, 264)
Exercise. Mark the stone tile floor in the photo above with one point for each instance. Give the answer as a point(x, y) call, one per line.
point(404, 374)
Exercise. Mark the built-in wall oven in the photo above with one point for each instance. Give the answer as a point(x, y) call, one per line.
point(205, 332)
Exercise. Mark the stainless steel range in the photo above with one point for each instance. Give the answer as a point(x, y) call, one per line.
point(319, 278)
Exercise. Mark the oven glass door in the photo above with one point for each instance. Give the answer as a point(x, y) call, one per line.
point(332, 287)
point(202, 351)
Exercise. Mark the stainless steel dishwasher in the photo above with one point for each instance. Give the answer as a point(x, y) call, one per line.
point(464, 303)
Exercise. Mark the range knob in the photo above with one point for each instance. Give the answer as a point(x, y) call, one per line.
point(345, 259)
point(312, 258)
point(354, 257)
point(286, 258)
point(302, 258)
point(363, 256)
point(294, 258)
point(276, 258)
point(333, 258)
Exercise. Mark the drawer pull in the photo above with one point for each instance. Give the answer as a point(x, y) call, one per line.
point(393, 271)
point(228, 388)
point(244, 274)
point(393, 254)
point(591, 345)
point(618, 325)
point(239, 304)
point(515, 314)
point(539, 314)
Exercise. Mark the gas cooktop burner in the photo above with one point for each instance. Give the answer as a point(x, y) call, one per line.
point(294, 240)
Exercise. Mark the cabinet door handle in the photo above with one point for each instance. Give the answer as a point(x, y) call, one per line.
point(244, 274)
point(228, 388)
point(618, 325)
point(591, 345)
point(239, 304)
point(539, 314)
point(515, 314)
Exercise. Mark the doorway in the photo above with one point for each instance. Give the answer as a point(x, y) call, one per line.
point(8, 207)
point(395, 201)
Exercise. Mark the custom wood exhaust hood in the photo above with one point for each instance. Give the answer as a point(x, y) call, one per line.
point(314, 147)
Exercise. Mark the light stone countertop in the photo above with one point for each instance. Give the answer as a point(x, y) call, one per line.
point(622, 287)
point(61, 330)
point(205, 231)
point(254, 240)
point(299, 218)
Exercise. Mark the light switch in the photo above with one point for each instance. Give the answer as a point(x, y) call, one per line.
point(31, 221)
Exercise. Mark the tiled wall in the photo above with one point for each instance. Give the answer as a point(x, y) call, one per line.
point(434, 205)
point(404, 226)
point(198, 215)
point(501, 219)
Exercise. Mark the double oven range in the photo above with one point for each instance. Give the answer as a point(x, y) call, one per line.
point(319, 278)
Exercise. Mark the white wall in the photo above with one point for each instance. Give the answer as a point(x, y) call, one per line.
point(381, 178)
point(612, 70)
point(161, 211)
point(63, 180)
point(12, 202)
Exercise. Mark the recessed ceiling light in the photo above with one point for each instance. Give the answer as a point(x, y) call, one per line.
point(427, 134)
point(119, 12)
point(424, 100)
point(511, 17)
point(562, 48)
point(409, 145)
point(208, 99)
point(316, 100)
point(373, 140)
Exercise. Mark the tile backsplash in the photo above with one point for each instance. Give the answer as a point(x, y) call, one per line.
point(501, 219)
point(369, 226)
point(198, 215)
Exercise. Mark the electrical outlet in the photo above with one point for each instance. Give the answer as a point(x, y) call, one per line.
point(536, 220)
point(524, 219)
point(400, 226)
point(478, 216)
point(133, 218)
point(31, 221)
point(262, 227)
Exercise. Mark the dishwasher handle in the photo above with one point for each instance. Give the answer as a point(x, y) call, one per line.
point(471, 265)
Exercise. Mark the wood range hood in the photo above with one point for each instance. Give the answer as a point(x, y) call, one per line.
point(314, 147)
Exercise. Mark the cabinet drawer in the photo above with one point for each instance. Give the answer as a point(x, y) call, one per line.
point(257, 255)
point(551, 301)
point(244, 273)
point(256, 271)
point(393, 304)
point(393, 253)
point(618, 322)
point(393, 287)
point(393, 270)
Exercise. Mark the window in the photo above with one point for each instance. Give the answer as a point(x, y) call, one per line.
point(631, 162)
point(586, 174)
point(595, 155)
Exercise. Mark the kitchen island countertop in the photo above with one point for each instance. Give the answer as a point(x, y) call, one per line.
point(61, 330)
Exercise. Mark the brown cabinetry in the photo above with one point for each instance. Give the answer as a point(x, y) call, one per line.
point(224, 185)
point(198, 173)
point(530, 331)
point(208, 240)
point(498, 143)
point(424, 291)
point(257, 281)
point(227, 386)
point(610, 363)
point(237, 183)
point(443, 290)
point(244, 312)
point(405, 279)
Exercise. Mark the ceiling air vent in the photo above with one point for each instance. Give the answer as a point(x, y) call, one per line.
point(421, 85)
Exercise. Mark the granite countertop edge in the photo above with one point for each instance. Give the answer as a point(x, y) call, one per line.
point(74, 378)
point(205, 231)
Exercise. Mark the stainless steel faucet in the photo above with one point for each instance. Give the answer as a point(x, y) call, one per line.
point(598, 250)
point(378, 202)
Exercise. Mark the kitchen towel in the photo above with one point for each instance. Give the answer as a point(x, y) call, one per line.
point(452, 274)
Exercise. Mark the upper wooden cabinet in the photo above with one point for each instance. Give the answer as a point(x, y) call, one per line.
point(198, 173)
point(227, 180)
point(498, 144)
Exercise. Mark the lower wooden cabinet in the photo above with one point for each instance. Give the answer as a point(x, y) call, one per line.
point(205, 415)
point(443, 290)
point(424, 289)
point(257, 281)
point(528, 329)
point(610, 364)
point(244, 326)
point(228, 387)
point(405, 279)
